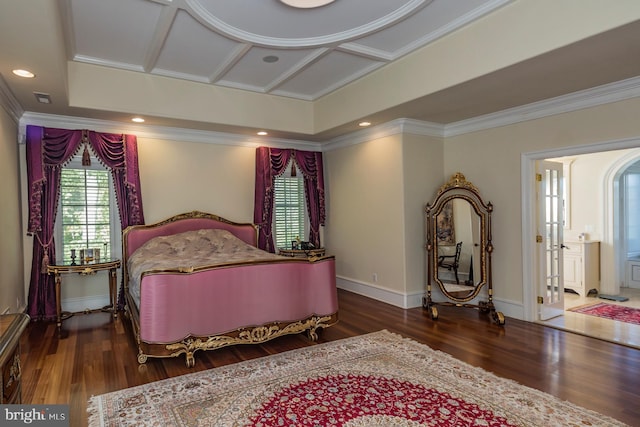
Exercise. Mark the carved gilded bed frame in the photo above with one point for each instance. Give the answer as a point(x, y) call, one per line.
point(244, 335)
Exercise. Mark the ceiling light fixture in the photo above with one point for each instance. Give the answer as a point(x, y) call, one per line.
point(43, 98)
point(24, 73)
point(137, 120)
point(262, 133)
point(364, 124)
point(306, 4)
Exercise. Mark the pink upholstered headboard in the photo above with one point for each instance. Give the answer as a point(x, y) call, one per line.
point(135, 236)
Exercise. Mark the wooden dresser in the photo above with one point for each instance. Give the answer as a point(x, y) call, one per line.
point(11, 328)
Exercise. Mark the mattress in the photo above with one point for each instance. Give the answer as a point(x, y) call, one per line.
point(190, 250)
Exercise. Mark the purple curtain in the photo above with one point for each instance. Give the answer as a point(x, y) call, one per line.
point(48, 150)
point(271, 163)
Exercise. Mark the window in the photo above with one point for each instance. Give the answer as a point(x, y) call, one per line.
point(290, 219)
point(87, 215)
point(631, 185)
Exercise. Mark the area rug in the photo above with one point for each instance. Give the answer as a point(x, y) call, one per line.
point(379, 379)
point(610, 311)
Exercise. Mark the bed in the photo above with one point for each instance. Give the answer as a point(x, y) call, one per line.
point(180, 302)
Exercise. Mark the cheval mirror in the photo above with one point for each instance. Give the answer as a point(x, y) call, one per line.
point(458, 225)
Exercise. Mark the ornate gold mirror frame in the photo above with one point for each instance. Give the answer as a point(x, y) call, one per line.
point(459, 247)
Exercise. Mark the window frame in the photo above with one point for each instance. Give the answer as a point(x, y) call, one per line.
point(305, 209)
point(114, 221)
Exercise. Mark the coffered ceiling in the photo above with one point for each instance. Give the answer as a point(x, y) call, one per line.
point(263, 46)
point(269, 48)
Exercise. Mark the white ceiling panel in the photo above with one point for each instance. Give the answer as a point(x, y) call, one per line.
point(288, 63)
point(326, 74)
point(427, 24)
point(338, 20)
point(114, 32)
point(193, 51)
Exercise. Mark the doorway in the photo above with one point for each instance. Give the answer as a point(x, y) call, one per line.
point(604, 226)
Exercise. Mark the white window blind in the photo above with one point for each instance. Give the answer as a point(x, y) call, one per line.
point(289, 211)
point(84, 215)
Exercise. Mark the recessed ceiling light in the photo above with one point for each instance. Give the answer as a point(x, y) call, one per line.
point(306, 4)
point(24, 73)
point(137, 120)
point(364, 124)
point(262, 133)
point(270, 59)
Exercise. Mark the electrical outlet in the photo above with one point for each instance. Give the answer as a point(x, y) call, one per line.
point(375, 277)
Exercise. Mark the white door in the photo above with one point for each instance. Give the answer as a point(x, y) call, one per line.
point(550, 239)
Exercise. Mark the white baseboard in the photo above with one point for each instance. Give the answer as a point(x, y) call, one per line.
point(381, 294)
point(74, 305)
point(508, 308)
point(512, 309)
point(21, 309)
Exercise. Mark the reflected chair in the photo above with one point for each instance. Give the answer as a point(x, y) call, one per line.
point(451, 262)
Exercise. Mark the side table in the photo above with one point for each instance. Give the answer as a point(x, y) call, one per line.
point(86, 269)
point(302, 253)
point(11, 328)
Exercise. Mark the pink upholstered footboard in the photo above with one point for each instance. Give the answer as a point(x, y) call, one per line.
point(174, 307)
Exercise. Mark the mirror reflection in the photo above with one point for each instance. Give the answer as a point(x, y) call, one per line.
point(458, 244)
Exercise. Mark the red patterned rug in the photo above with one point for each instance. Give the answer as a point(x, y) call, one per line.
point(611, 311)
point(374, 380)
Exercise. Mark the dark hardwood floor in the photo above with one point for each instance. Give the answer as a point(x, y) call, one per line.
point(94, 354)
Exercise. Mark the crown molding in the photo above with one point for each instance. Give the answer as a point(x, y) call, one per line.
point(613, 92)
point(9, 102)
point(593, 97)
point(205, 17)
point(159, 132)
point(394, 127)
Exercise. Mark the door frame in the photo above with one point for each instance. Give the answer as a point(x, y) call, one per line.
point(611, 245)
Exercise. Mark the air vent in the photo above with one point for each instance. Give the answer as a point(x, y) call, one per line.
point(43, 98)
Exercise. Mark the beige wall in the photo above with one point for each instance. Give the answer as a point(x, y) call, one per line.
point(179, 176)
point(491, 159)
point(376, 192)
point(12, 293)
point(422, 176)
point(364, 229)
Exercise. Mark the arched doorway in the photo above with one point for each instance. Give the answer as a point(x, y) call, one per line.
point(614, 250)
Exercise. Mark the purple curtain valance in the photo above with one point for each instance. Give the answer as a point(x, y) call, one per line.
point(53, 148)
point(273, 162)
